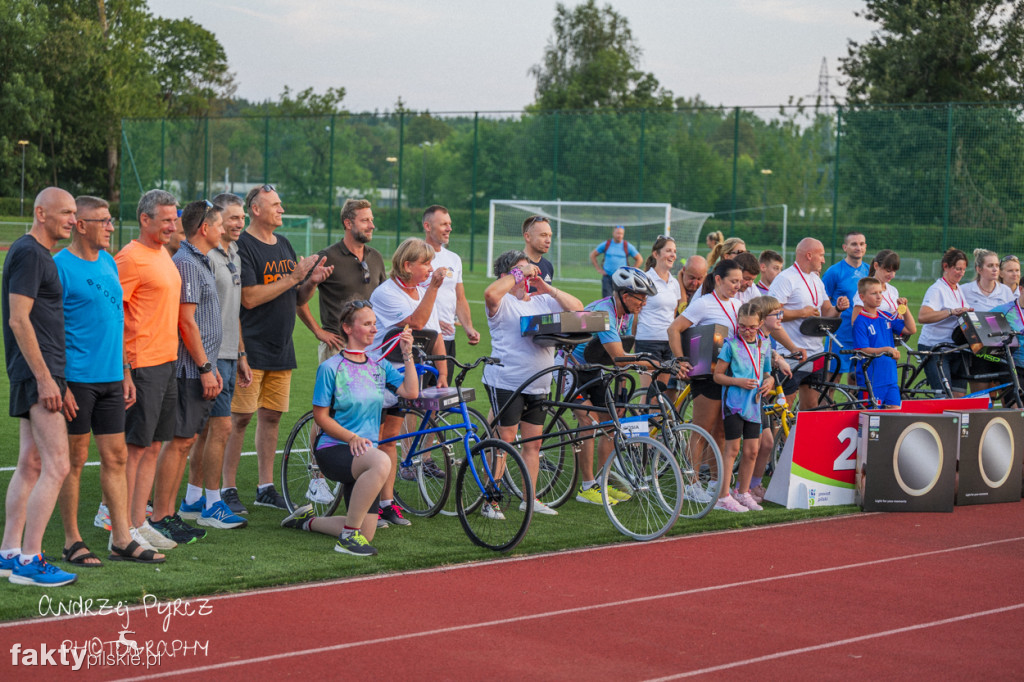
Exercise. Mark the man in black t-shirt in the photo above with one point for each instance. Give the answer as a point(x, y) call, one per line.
point(274, 282)
point(33, 325)
point(537, 236)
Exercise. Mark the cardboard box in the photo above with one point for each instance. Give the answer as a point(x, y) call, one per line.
point(976, 327)
point(991, 452)
point(565, 323)
point(906, 462)
point(701, 345)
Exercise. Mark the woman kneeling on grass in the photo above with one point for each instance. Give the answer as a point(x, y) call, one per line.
point(347, 402)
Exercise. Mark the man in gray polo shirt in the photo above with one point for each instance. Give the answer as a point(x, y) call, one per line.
point(358, 270)
point(206, 460)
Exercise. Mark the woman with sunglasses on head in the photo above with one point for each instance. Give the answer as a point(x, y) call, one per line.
point(943, 303)
point(1009, 273)
point(985, 293)
point(347, 401)
point(655, 317)
point(728, 249)
point(884, 267)
point(718, 305)
point(398, 302)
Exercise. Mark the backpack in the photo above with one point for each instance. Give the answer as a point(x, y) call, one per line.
point(625, 247)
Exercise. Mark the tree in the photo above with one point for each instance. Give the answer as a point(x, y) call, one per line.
point(938, 51)
point(592, 61)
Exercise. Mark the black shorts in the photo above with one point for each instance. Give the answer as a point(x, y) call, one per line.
point(100, 408)
point(801, 378)
point(151, 419)
point(521, 407)
point(25, 394)
point(705, 386)
point(738, 427)
point(193, 409)
point(335, 462)
point(594, 392)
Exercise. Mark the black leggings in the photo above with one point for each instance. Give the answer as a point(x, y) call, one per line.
point(335, 462)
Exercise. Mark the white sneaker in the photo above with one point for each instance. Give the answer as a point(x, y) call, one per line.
point(538, 508)
point(729, 504)
point(154, 537)
point(102, 518)
point(319, 491)
point(697, 493)
point(143, 542)
point(747, 500)
point(491, 511)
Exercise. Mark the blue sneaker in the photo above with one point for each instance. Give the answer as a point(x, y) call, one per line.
point(220, 516)
point(192, 511)
point(7, 566)
point(40, 572)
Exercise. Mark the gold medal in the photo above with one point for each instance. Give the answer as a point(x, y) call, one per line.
point(902, 309)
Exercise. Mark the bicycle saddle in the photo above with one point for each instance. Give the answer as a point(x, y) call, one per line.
point(815, 326)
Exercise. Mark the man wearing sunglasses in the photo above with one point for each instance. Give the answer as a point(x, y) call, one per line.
point(275, 282)
point(358, 270)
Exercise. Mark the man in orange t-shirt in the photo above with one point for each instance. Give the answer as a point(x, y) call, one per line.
point(152, 287)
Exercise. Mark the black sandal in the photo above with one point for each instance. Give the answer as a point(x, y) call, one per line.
point(147, 556)
point(80, 560)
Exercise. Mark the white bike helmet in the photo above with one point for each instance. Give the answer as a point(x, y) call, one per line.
point(633, 280)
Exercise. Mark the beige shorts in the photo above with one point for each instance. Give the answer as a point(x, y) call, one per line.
point(269, 389)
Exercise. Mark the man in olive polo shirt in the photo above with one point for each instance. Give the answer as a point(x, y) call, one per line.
point(358, 270)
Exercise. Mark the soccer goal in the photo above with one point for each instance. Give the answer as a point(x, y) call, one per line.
point(578, 228)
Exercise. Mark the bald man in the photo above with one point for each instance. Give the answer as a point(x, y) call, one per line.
point(802, 294)
point(33, 322)
point(691, 277)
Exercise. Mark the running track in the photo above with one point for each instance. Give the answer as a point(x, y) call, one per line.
point(871, 596)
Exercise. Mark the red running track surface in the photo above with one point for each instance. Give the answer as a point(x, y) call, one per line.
point(872, 596)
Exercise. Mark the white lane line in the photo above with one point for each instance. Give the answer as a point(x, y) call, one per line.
point(562, 612)
point(841, 642)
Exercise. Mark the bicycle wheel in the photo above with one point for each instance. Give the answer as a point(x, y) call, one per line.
point(481, 429)
point(423, 480)
point(301, 480)
point(778, 445)
point(558, 475)
point(698, 455)
point(492, 512)
point(685, 411)
point(838, 398)
point(657, 495)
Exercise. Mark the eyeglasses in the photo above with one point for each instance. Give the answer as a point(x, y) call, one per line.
point(105, 221)
point(252, 195)
point(777, 316)
point(745, 328)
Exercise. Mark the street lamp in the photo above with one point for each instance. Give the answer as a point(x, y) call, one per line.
point(394, 199)
point(22, 144)
point(765, 172)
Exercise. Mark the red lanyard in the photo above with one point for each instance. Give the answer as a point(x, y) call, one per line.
point(755, 365)
point(761, 286)
point(402, 284)
point(955, 290)
point(889, 300)
point(727, 315)
point(1019, 311)
point(810, 289)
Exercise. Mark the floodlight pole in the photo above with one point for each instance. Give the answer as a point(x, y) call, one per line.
point(765, 172)
point(22, 144)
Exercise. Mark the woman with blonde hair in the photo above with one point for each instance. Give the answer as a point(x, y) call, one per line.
point(730, 248)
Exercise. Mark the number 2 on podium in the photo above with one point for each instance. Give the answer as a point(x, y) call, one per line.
point(847, 459)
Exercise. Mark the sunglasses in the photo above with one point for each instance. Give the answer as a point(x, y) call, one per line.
point(534, 219)
point(235, 279)
point(1007, 259)
point(263, 188)
point(366, 272)
point(666, 237)
point(735, 251)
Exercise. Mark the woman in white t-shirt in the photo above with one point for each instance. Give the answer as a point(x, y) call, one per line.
point(398, 302)
point(884, 267)
point(985, 293)
point(506, 301)
point(656, 316)
point(718, 305)
point(1009, 273)
point(943, 302)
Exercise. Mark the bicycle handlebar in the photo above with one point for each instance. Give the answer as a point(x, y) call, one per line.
point(485, 359)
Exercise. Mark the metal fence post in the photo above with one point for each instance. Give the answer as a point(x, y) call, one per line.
point(398, 195)
point(643, 127)
point(330, 183)
point(835, 183)
point(554, 174)
point(472, 201)
point(735, 165)
point(949, 174)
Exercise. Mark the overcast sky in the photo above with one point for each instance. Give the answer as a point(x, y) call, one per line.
point(473, 55)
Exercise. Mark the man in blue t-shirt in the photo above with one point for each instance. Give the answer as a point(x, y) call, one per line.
point(617, 253)
point(840, 281)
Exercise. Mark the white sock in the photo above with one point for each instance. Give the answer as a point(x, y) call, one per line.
point(263, 486)
point(386, 503)
point(10, 553)
point(212, 497)
point(25, 559)
point(587, 485)
point(192, 494)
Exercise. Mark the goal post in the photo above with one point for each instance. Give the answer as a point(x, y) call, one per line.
point(578, 227)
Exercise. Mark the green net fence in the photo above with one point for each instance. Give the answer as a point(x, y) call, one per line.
point(915, 179)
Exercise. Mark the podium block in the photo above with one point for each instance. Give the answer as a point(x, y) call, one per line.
point(991, 451)
point(906, 462)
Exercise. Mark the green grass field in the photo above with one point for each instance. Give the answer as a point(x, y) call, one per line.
point(265, 554)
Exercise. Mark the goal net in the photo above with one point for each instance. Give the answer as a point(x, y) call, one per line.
point(578, 227)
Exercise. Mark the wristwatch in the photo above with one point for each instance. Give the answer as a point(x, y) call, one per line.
point(242, 354)
point(205, 368)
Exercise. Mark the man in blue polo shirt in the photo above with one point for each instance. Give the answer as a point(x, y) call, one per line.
point(840, 281)
point(617, 252)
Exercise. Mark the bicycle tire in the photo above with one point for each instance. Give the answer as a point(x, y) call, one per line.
point(482, 430)
point(693, 449)
point(657, 496)
point(778, 445)
point(838, 398)
point(417, 489)
point(499, 534)
point(299, 469)
point(558, 473)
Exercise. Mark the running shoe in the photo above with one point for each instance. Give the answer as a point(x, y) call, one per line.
point(696, 492)
point(354, 544)
point(618, 495)
point(192, 511)
point(40, 572)
point(592, 495)
point(758, 493)
point(491, 510)
point(381, 521)
point(407, 473)
point(7, 565)
point(155, 538)
point(171, 530)
point(230, 497)
point(432, 470)
point(102, 518)
point(747, 500)
point(319, 491)
point(393, 515)
point(729, 504)
point(269, 497)
point(298, 518)
point(219, 516)
point(538, 508)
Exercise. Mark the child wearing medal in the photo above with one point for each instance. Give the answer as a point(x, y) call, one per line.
point(744, 370)
point(874, 332)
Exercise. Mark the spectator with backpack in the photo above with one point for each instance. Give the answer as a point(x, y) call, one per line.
point(617, 252)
